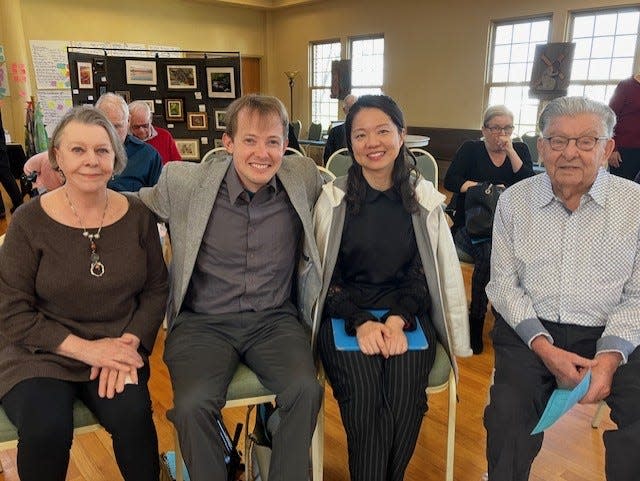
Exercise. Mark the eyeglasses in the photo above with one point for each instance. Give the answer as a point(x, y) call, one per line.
point(496, 130)
point(584, 143)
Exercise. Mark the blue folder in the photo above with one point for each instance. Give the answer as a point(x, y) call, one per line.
point(344, 342)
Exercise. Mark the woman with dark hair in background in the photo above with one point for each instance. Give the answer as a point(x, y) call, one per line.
point(386, 245)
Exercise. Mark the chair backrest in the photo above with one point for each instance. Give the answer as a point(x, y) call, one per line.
point(213, 152)
point(339, 162)
point(326, 174)
point(531, 141)
point(297, 127)
point(294, 151)
point(315, 131)
point(426, 164)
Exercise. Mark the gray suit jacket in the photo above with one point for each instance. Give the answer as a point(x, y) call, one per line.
point(184, 197)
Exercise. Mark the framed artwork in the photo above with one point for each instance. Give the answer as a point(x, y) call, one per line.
point(125, 94)
point(151, 104)
point(220, 116)
point(141, 72)
point(221, 82)
point(551, 70)
point(174, 110)
point(85, 75)
point(181, 77)
point(197, 121)
point(189, 148)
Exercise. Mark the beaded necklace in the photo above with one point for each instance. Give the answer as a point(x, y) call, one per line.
point(97, 268)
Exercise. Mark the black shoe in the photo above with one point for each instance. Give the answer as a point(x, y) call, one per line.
point(3, 215)
point(477, 345)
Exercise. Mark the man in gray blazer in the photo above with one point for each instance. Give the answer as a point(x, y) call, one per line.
point(245, 275)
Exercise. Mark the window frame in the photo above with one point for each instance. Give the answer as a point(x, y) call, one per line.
point(312, 86)
point(376, 88)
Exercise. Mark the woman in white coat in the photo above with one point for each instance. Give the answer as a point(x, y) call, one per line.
point(385, 244)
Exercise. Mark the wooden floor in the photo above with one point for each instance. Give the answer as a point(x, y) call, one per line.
point(572, 450)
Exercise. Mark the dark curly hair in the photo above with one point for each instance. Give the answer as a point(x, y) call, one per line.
point(404, 183)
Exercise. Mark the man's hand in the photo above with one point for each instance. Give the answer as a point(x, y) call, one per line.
point(396, 341)
point(601, 377)
point(614, 159)
point(371, 338)
point(567, 367)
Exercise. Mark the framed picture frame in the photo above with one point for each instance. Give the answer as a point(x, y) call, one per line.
point(151, 104)
point(189, 148)
point(182, 77)
point(197, 121)
point(221, 82)
point(174, 110)
point(125, 94)
point(220, 116)
point(85, 75)
point(141, 72)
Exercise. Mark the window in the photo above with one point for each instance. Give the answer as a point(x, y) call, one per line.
point(367, 65)
point(606, 48)
point(513, 47)
point(324, 109)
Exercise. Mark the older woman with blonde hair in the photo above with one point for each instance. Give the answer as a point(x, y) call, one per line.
point(497, 159)
point(82, 293)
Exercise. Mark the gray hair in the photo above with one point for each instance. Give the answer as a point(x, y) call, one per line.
point(88, 115)
point(572, 106)
point(140, 106)
point(495, 111)
point(109, 100)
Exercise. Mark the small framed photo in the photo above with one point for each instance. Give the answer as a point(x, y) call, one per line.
point(181, 77)
point(189, 148)
point(85, 75)
point(125, 94)
point(221, 82)
point(174, 110)
point(151, 104)
point(221, 119)
point(141, 72)
point(197, 121)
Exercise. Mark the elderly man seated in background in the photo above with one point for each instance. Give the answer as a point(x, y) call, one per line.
point(565, 282)
point(44, 177)
point(160, 139)
point(336, 138)
point(143, 161)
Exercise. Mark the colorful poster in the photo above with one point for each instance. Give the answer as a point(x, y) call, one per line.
point(2, 57)
point(54, 104)
point(4, 81)
point(50, 64)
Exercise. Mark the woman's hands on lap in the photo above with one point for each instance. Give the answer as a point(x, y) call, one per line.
point(371, 338)
point(396, 340)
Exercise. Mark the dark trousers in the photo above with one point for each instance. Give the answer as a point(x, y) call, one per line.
point(42, 411)
point(481, 253)
point(630, 165)
point(382, 404)
point(8, 182)
point(520, 393)
point(203, 352)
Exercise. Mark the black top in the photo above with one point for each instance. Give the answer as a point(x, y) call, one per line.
point(472, 162)
point(378, 265)
point(336, 140)
point(293, 141)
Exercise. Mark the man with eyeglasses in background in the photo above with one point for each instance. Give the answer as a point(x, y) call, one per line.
point(565, 282)
point(160, 139)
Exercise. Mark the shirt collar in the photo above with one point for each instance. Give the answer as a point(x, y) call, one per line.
point(372, 194)
point(235, 187)
point(544, 194)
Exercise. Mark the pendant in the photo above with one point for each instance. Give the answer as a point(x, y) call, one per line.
point(97, 269)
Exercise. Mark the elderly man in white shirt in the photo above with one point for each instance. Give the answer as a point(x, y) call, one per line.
point(565, 285)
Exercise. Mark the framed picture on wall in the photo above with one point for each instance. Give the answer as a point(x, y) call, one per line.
point(221, 82)
point(125, 94)
point(141, 72)
point(174, 110)
point(85, 75)
point(220, 116)
point(189, 148)
point(197, 121)
point(181, 77)
point(151, 104)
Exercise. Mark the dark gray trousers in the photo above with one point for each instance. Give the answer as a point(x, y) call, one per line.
point(202, 353)
point(520, 392)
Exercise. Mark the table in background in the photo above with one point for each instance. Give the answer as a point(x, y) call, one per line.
point(413, 141)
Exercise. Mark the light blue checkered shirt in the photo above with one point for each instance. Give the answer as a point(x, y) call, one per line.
point(580, 267)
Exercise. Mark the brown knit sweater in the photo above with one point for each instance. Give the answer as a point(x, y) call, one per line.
point(47, 291)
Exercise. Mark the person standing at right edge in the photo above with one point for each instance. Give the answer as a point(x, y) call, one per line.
point(6, 177)
point(624, 161)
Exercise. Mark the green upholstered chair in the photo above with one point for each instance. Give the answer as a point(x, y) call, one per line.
point(339, 162)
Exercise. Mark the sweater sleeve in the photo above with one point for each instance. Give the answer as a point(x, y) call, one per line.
point(527, 165)
point(458, 172)
point(20, 322)
point(151, 301)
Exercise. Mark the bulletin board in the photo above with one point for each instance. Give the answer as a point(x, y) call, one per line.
point(188, 94)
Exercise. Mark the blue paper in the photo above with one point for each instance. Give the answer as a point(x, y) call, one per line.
point(560, 402)
point(416, 339)
point(170, 456)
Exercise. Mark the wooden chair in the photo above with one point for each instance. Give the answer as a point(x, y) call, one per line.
point(246, 390)
point(83, 422)
point(339, 162)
